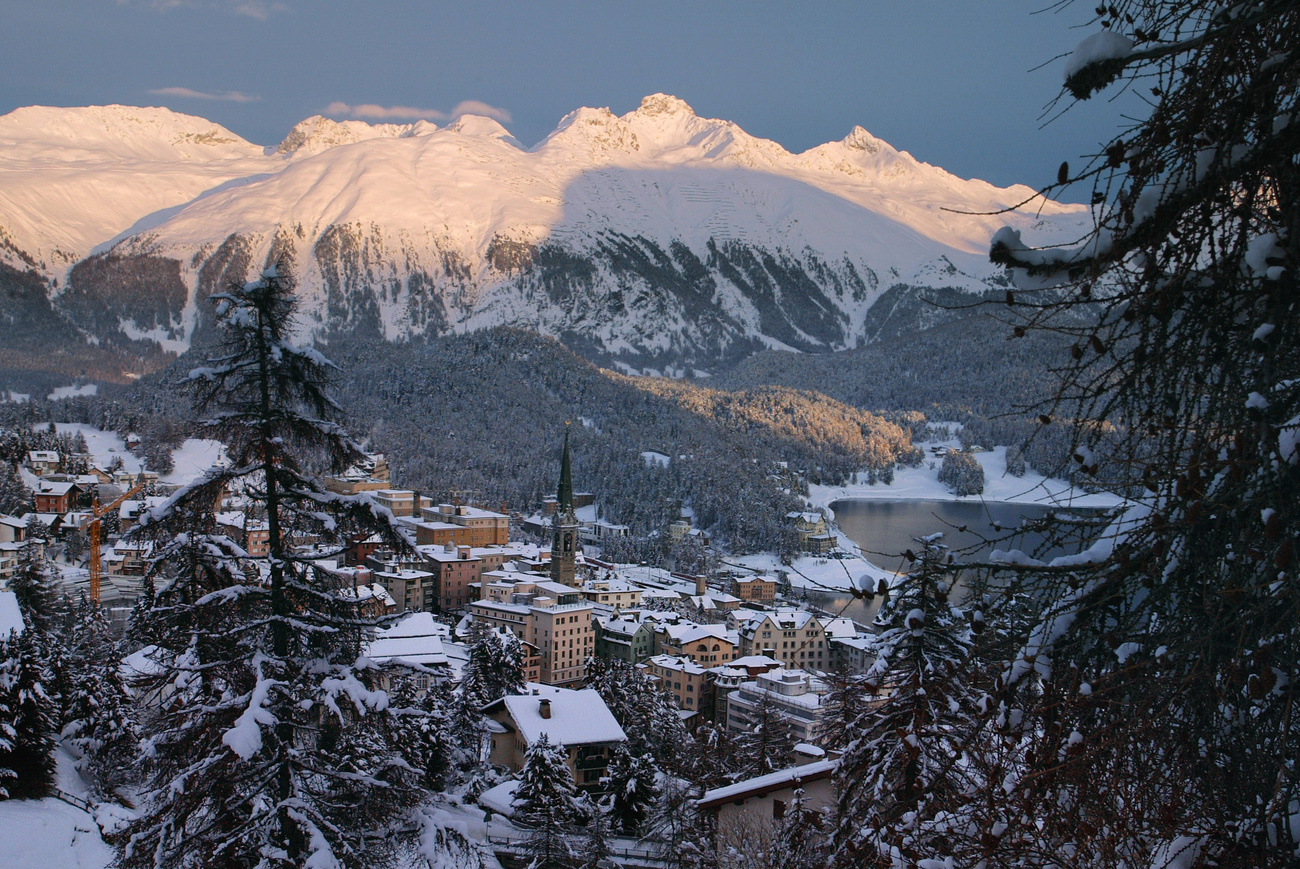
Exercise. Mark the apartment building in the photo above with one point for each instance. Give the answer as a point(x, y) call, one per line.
point(794, 637)
point(550, 616)
point(796, 694)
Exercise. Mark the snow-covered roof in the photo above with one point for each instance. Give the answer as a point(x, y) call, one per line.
point(11, 616)
point(690, 633)
point(669, 662)
point(55, 489)
point(43, 456)
point(839, 628)
point(577, 717)
point(755, 661)
point(500, 799)
point(13, 521)
point(363, 593)
point(773, 781)
point(416, 639)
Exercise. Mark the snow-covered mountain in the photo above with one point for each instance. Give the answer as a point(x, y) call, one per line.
point(654, 234)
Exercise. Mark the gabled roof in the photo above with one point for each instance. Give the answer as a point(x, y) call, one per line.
point(794, 776)
point(577, 717)
point(416, 639)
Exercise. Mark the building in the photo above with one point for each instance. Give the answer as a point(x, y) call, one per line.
point(577, 720)
point(795, 694)
point(399, 502)
point(792, 636)
point(457, 572)
point(708, 645)
point(814, 535)
point(369, 475)
point(461, 525)
point(42, 462)
point(416, 643)
point(565, 526)
point(54, 497)
point(685, 680)
point(618, 593)
point(747, 808)
point(755, 589)
point(410, 585)
point(554, 618)
point(854, 654)
point(627, 639)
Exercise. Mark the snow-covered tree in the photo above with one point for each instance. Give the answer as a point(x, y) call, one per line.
point(633, 783)
point(98, 715)
point(495, 668)
point(768, 745)
point(846, 702)
point(962, 473)
point(546, 801)
point(646, 714)
point(270, 742)
point(595, 850)
point(1166, 731)
point(903, 769)
point(28, 716)
point(33, 585)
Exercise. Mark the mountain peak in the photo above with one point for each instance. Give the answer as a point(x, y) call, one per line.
point(664, 104)
point(861, 140)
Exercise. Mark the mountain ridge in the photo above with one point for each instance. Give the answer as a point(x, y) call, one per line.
point(652, 235)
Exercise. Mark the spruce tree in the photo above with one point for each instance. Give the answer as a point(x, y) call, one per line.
point(269, 741)
point(903, 769)
point(768, 745)
point(846, 703)
point(27, 720)
point(633, 783)
point(495, 668)
point(98, 715)
point(547, 803)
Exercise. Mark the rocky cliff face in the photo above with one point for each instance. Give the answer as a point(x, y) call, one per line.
point(654, 238)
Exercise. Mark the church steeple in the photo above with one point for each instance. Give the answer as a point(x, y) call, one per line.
point(565, 526)
point(564, 493)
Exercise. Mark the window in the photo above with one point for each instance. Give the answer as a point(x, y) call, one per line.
point(778, 809)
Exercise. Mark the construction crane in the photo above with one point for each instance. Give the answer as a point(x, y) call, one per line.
point(95, 526)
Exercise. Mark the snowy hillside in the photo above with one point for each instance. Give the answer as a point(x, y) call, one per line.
point(654, 233)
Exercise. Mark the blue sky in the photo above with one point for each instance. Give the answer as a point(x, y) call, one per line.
point(949, 81)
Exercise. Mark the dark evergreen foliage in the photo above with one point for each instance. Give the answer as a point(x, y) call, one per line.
point(28, 719)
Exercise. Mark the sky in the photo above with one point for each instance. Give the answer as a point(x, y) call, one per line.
point(962, 84)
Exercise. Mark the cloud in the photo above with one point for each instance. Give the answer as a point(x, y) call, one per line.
point(372, 112)
point(259, 9)
point(228, 96)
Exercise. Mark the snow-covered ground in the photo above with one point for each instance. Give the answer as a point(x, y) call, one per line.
point(73, 391)
point(818, 573)
point(922, 484)
point(192, 458)
point(51, 834)
point(104, 446)
point(189, 460)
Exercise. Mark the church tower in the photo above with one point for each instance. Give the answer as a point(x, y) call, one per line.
point(564, 537)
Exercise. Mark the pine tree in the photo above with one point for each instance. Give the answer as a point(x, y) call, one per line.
point(646, 714)
point(768, 745)
point(633, 782)
point(495, 668)
point(902, 771)
point(270, 742)
point(846, 703)
point(34, 589)
point(546, 802)
point(98, 716)
point(27, 720)
point(595, 849)
point(14, 496)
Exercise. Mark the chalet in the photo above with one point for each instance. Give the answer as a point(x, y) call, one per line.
point(42, 462)
point(577, 720)
point(54, 497)
point(738, 810)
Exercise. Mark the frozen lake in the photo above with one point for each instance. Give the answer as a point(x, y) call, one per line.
point(884, 529)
